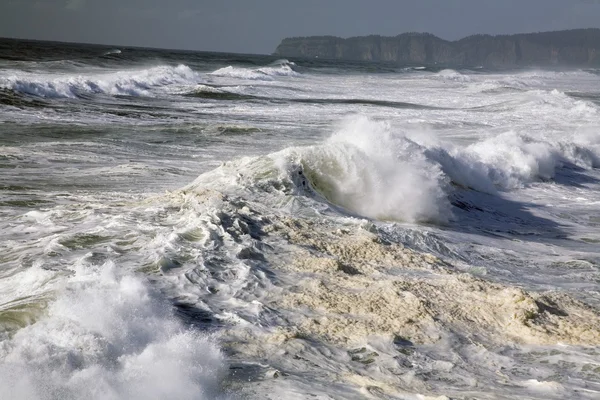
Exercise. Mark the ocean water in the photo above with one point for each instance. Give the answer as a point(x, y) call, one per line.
point(219, 226)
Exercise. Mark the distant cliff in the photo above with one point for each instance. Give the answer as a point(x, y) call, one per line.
point(579, 47)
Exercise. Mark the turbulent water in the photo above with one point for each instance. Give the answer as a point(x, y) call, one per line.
point(215, 226)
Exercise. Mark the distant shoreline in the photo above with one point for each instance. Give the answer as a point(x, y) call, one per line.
point(576, 47)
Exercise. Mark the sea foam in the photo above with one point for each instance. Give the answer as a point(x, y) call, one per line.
point(368, 169)
point(128, 83)
point(280, 69)
point(452, 75)
point(510, 160)
point(108, 336)
point(378, 172)
point(373, 170)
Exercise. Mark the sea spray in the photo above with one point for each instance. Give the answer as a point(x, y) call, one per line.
point(108, 336)
point(128, 83)
point(368, 168)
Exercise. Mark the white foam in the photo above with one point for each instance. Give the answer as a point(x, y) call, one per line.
point(505, 162)
point(541, 74)
point(508, 161)
point(375, 171)
point(130, 83)
point(452, 75)
point(544, 387)
point(107, 336)
point(283, 61)
point(369, 169)
point(531, 79)
point(264, 73)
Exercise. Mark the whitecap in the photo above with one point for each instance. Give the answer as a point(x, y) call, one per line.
point(452, 75)
point(113, 51)
point(264, 73)
point(108, 336)
point(127, 82)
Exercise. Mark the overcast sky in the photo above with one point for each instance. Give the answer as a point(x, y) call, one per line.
point(257, 26)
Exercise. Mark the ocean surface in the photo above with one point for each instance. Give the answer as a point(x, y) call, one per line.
point(181, 225)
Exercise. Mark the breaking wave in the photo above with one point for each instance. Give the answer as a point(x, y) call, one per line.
point(283, 62)
point(541, 74)
point(113, 51)
point(108, 336)
point(509, 161)
point(280, 68)
point(369, 169)
point(128, 83)
point(452, 75)
point(529, 80)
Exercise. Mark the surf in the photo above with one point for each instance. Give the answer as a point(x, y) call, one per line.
point(128, 83)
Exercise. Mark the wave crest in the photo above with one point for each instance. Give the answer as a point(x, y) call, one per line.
point(452, 75)
point(510, 160)
point(108, 336)
point(128, 83)
point(280, 69)
point(113, 51)
point(370, 170)
point(367, 169)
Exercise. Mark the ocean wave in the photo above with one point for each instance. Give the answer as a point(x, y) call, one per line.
point(552, 103)
point(528, 80)
point(452, 75)
point(283, 62)
point(363, 169)
point(13, 99)
point(550, 75)
point(349, 287)
point(368, 169)
point(108, 336)
point(383, 169)
point(503, 162)
point(235, 94)
point(113, 51)
point(564, 102)
point(511, 160)
point(214, 93)
point(282, 69)
point(505, 83)
point(127, 83)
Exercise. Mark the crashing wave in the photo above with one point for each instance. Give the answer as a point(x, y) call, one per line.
point(342, 288)
point(452, 75)
point(281, 69)
point(128, 83)
point(108, 336)
point(113, 51)
point(239, 244)
point(368, 169)
point(283, 62)
point(510, 160)
point(529, 80)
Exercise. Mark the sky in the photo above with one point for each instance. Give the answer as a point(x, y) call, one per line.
point(257, 26)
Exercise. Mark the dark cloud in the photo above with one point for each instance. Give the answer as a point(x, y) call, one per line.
point(257, 26)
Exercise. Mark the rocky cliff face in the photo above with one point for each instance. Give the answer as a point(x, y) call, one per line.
point(580, 47)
